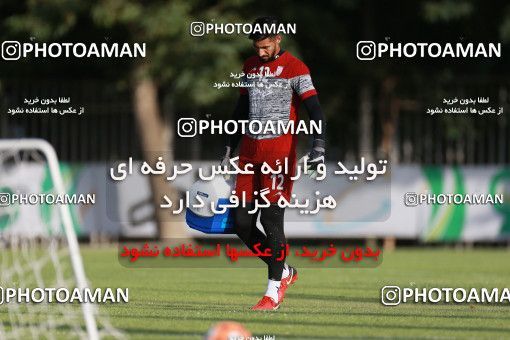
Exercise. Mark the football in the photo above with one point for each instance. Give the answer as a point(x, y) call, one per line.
point(227, 330)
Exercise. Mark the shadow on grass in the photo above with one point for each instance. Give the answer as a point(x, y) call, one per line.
point(251, 317)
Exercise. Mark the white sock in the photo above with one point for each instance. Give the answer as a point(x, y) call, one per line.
point(272, 289)
point(286, 271)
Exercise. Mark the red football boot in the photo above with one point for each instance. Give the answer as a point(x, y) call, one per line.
point(286, 282)
point(266, 303)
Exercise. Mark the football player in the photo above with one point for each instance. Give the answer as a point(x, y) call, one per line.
point(282, 83)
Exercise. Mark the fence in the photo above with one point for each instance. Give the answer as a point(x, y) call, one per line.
point(107, 129)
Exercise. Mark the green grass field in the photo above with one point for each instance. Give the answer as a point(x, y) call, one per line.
point(323, 304)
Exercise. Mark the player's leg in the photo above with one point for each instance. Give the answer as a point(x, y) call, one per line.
point(271, 219)
point(245, 224)
point(281, 185)
point(274, 152)
point(290, 273)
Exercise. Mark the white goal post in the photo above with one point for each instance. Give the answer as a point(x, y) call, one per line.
point(14, 153)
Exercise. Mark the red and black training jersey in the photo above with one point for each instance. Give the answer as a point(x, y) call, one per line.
point(276, 89)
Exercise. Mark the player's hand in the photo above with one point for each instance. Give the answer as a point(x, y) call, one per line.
point(314, 158)
point(225, 160)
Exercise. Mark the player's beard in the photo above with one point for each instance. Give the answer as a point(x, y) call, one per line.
point(265, 59)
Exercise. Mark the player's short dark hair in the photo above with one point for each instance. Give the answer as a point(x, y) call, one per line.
point(268, 20)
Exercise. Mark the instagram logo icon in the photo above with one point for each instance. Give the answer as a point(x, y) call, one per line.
point(390, 295)
point(11, 50)
point(365, 50)
point(187, 127)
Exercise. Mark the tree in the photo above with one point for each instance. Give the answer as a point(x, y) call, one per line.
point(182, 66)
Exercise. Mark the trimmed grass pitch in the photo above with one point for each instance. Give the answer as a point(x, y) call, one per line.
point(323, 304)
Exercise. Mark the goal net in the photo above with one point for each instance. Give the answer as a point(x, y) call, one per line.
point(39, 250)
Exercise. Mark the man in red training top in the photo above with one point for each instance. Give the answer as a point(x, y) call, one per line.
point(278, 83)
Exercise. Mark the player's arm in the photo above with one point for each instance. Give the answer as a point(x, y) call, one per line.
point(241, 112)
point(314, 110)
point(303, 86)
